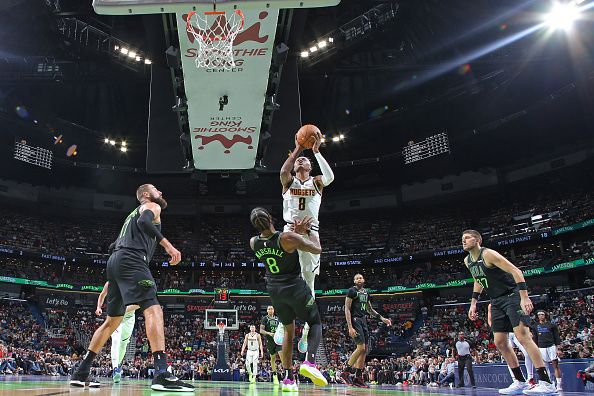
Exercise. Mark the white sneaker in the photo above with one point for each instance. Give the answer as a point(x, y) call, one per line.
point(516, 388)
point(543, 388)
point(559, 384)
point(289, 386)
point(279, 334)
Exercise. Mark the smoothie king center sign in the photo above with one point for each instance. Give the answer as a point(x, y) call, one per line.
point(228, 138)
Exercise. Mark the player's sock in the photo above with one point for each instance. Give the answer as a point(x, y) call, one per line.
point(289, 374)
point(313, 342)
point(126, 333)
point(358, 373)
point(160, 362)
point(116, 341)
point(85, 365)
point(305, 331)
point(543, 375)
point(517, 372)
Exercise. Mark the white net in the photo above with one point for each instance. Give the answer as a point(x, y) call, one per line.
point(215, 32)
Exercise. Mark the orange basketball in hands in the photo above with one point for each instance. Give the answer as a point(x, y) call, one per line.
point(306, 135)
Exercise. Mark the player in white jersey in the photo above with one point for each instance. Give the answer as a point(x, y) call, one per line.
point(302, 197)
point(120, 338)
point(252, 343)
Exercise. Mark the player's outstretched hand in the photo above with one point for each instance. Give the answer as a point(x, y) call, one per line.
point(387, 322)
point(302, 226)
point(472, 314)
point(174, 254)
point(98, 312)
point(318, 142)
point(526, 305)
point(352, 332)
point(298, 146)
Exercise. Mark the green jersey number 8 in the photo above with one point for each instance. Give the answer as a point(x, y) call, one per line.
point(272, 266)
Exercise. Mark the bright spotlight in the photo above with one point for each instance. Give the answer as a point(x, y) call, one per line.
point(132, 54)
point(322, 44)
point(117, 47)
point(304, 54)
point(341, 136)
point(323, 139)
point(313, 49)
point(106, 140)
point(147, 62)
point(123, 143)
point(124, 51)
point(138, 58)
point(112, 142)
point(562, 16)
point(336, 139)
point(123, 149)
point(330, 39)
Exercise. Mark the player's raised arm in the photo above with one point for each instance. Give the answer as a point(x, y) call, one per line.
point(151, 214)
point(285, 173)
point(327, 176)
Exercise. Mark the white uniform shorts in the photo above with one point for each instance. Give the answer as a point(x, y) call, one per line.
point(309, 262)
point(252, 356)
point(549, 354)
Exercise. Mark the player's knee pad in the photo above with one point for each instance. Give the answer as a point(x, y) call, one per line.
point(144, 304)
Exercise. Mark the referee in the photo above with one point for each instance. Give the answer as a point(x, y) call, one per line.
point(464, 360)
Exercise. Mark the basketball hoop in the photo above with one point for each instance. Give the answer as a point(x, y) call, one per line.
point(215, 32)
point(221, 326)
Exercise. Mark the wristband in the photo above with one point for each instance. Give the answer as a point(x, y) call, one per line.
point(522, 286)
point(476, 296)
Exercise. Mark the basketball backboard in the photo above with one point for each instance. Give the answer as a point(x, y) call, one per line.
point(130, 7)
point(228, 316)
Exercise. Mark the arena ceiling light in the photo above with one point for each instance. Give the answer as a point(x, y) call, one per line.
point(562, 15)
point(304, 54)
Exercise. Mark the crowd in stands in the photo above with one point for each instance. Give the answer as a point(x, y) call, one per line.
point(26, 345)
point(331, 277)
point(381, 233)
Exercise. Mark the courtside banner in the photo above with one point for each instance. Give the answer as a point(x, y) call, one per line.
point(228, 138)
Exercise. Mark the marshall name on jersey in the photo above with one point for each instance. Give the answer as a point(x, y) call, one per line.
point(301, 199)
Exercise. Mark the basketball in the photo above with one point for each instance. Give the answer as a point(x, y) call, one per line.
point(306, 135)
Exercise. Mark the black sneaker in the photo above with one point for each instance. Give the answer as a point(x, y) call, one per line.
point(346, 376)
point(359, 383)
point(170, 383)
point(80, 380)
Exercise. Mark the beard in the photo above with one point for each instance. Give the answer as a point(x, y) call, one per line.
point(160, 201)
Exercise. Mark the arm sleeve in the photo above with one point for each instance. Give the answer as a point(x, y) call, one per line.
point(327, 174)
point(145, 222)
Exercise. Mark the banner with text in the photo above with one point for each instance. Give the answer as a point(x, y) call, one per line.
point(225, 136)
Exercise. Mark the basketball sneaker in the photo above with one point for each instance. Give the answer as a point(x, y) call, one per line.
point(279, 334)
point(346, 377)
point(516, 388)
point(170, 383)
point(117, 375)
point(252, 378)
point(80, 380)
point(543, 388)
point(309, 370)
point(275, 379)
point(359, 383)
point(532, 382)
point(289, 386)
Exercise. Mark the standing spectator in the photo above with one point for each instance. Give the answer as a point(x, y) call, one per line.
point(547, 338)
point(464, 360)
